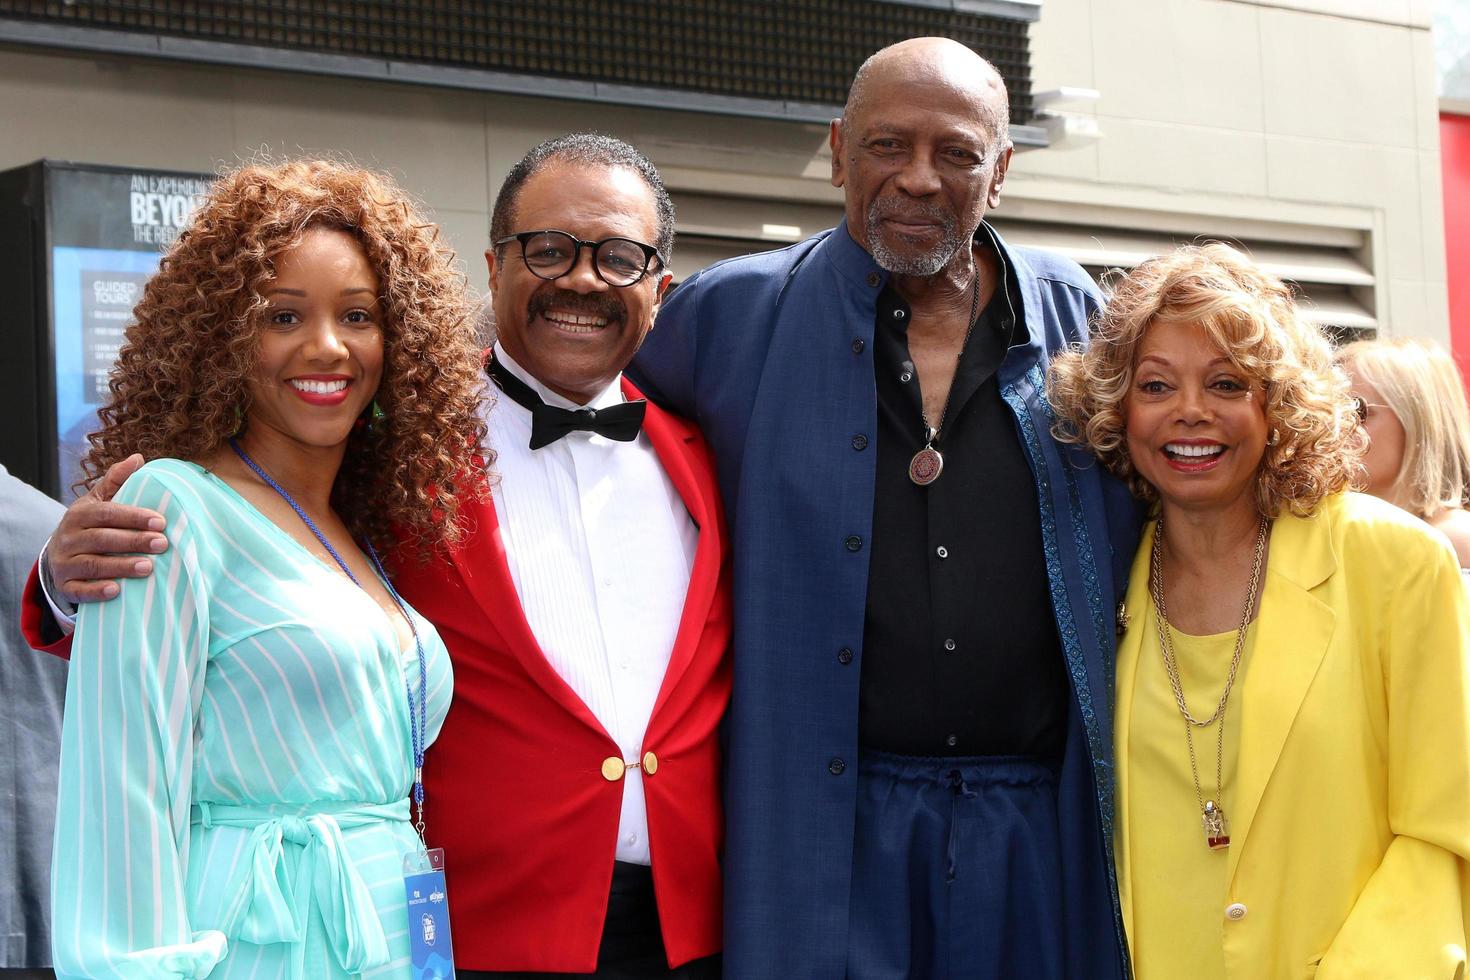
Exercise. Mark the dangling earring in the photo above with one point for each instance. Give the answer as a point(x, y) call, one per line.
point(239, 421)
point(1274, 438)
point(373, 417)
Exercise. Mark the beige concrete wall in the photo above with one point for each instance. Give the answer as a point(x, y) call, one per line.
point(133, 112)
point(450, 147)
point(1285, 119)
point(1314, 113)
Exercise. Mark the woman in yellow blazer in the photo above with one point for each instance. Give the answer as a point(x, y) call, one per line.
point(1292, 723)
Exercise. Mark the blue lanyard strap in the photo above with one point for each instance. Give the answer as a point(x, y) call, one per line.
point(417, 720)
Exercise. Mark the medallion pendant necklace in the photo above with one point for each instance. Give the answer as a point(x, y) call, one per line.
point(927, 463)
point(1212, 814)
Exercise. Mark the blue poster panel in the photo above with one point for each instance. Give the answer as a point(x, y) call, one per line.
point(108, 231)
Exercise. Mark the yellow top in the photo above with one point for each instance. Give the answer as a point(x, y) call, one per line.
point(1178, 883)
point(1349, 804)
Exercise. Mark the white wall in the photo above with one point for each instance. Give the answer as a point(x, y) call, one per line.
point(449, 147)
point(1315, 112)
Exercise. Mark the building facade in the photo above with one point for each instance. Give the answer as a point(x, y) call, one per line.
point(1305, 130)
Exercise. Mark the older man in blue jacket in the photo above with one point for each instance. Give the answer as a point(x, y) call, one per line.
point(919, 737)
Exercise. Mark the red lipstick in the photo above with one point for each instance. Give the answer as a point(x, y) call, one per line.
point(324, 390)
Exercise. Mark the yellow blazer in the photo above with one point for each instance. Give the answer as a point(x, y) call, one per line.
point(1350, 812)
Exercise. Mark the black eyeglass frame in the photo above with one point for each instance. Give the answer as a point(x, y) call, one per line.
point(649, 254)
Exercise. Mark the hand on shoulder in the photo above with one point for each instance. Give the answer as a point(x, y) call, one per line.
point(98, 539)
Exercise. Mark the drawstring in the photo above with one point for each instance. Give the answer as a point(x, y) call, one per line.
point(959, 789)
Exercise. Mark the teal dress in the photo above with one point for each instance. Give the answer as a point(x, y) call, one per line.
point(236, 759)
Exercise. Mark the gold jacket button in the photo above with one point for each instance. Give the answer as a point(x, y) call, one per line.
point(650, 763)
point(613, 768)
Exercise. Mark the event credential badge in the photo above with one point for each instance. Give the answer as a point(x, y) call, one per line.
point(428, 915)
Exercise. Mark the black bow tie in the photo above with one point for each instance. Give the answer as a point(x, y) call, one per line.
point(549, 423)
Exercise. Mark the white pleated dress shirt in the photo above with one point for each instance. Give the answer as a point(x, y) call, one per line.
point(600, 548)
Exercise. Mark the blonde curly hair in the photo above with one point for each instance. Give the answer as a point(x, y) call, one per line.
point(179, 388)
point(1252, 318)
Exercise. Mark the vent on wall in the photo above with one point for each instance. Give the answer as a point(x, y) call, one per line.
point(1335, 286)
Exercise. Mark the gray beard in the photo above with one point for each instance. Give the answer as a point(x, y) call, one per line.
point(923, 264)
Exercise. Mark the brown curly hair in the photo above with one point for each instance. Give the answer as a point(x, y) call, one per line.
point(1252, 317)
point(179, 388)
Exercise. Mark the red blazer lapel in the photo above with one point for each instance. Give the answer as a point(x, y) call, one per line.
point(481, 563)
point(675, 441)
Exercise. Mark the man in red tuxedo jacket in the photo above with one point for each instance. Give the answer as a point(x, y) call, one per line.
point(575, 784)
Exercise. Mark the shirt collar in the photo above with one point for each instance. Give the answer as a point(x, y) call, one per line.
point(611, 395)
point(852, 260)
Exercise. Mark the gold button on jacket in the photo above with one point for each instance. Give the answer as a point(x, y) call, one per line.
point(613, 768)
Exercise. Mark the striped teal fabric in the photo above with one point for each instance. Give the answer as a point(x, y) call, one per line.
point(235, 759)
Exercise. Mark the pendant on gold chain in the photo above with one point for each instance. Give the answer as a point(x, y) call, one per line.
point(926, 466)
point(1217, 828)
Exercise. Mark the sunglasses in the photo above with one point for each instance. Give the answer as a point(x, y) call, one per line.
point(1361, 407)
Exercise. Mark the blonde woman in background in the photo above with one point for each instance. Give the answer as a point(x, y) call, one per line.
point(1412, 404)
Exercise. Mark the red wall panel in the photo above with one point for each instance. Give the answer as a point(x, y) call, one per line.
point(1454, 147)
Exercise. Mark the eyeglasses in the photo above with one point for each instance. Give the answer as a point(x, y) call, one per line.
point(552, 254)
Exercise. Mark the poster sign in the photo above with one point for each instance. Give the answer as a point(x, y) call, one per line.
point(108, 230)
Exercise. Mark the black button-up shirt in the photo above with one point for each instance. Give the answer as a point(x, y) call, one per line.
point(960, 649)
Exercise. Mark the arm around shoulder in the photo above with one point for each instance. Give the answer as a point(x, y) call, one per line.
point(38, 621)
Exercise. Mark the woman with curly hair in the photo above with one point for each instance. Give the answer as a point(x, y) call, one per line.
point(1411, 399)
point(1292, 720)
point(245, 728)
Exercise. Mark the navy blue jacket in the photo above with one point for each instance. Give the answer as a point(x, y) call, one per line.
point(771, 355)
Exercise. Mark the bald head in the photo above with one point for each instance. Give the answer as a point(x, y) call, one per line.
point(935, 61)
point(921, 154)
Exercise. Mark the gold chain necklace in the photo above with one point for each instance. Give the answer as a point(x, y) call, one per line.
point(1217, 828)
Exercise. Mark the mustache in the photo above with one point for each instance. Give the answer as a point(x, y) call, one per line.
point(582, 304)
point(887, 207)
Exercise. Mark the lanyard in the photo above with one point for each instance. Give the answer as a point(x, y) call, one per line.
point(417, 719)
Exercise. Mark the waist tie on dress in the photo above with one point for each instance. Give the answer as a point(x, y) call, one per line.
point(270, 906)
